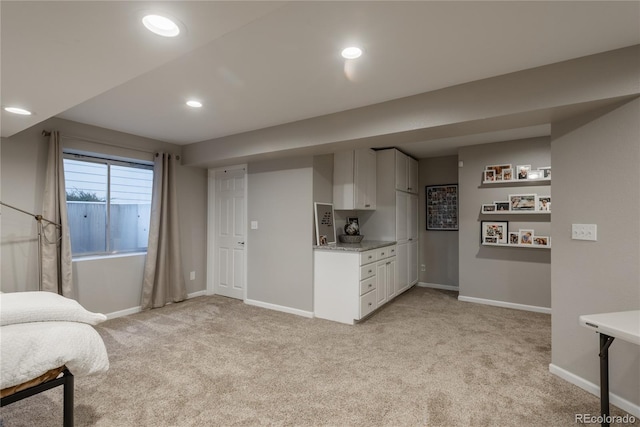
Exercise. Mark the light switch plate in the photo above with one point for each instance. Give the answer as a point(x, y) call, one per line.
point(254, 225)
point(584, 232)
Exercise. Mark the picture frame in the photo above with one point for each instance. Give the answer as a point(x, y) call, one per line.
point(541, 241)
point(523, 171)
point(502, 206)
point(544, 204)
point(351, 219)
point(514, 237)
point(525, 237)
point(498, 168)
point(494, 230)
point(535, 174)
point(489, 175)
point(507, 174)
point(325, 223)
point(546, 172)
point(442, 207)
point(488, 207)
point(523, 202)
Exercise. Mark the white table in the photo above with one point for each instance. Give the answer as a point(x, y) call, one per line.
point(624, 325)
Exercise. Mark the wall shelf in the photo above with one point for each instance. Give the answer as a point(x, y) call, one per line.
point(517, 182)
point(509, 245)
point(517, 213)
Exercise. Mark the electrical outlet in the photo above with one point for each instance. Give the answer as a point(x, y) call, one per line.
point(584, 232)
point(423, 267)
point(192, 275)
point(254, 225)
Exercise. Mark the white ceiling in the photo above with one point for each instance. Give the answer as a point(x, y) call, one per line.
point(260, 64)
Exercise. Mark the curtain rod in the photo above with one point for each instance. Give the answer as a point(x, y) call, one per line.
point(97, 141)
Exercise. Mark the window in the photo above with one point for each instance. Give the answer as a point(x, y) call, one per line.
point(108, 204)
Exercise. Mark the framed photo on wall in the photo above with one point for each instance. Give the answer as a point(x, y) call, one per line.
point(494, 232)
point(442, 207)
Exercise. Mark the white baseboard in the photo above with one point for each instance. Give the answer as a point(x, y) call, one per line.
point(279, 308)
point(594, 389)
point(505, 304)
point(138, 309)
point(196, 294)
point(126, 312)
point(438, 286)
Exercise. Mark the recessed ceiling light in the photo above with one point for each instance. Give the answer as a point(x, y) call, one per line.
point(194, 103)
point(161, 25)
point(352, 52)
point(16, 110)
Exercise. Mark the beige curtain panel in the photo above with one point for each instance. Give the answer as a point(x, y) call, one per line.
point(56, 241)
point(163, 281)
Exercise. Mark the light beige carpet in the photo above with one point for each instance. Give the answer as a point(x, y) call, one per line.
point(425, 359)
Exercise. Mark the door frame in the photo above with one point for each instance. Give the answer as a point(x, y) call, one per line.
point(211, 217)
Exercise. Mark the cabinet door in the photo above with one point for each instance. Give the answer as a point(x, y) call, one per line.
point(413, 263)
point(402, 266)
point(401, 171)
point(365, 179)
point(412, 175)
point(392, 277)
point(412, 217)
point(402, 210)
point(381, 282)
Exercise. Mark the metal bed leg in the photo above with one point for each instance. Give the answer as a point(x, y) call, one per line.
point(68, 399)
point(605, 342)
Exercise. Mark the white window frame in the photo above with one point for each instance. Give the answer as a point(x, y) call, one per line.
point(109, 161)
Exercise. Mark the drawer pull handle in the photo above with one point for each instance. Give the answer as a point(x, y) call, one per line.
point(382, 253)
point(370, 284)
point(370, 304)
point(366, 206)
point(370, 271)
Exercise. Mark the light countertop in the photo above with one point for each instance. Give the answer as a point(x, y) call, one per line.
point(363, 246)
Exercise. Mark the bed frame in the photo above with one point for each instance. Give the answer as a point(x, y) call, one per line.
point(66, 380)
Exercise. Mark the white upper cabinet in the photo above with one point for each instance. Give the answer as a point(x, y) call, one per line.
point(406, 173)
point(354, 180)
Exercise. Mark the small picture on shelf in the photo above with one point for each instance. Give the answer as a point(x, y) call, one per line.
point(489, 175)
point(507, 174)
point(488, 207)
point(523, 171)
point(535, 174)
point(522, 202)
point(502, 206)
point(541, 241)
point(546, 172)
point(526, 237)
point(494, 230)
point(514, 237)
point(544, 203)
point(497, 171)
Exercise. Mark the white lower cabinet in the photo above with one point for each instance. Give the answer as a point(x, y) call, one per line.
point(349, 285)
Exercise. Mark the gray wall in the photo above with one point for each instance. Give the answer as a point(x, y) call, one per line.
point(438, 249)
point(105, 284)
point(513, 275)
point(279, 253)
point(596, 170)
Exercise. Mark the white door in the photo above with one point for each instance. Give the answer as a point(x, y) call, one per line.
point(230, 231)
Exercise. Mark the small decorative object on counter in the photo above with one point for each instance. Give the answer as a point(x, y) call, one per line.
point(352, 228)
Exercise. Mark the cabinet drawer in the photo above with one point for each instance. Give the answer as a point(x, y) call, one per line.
point(367, 303)
point(386, 252)
point(367, 271)
point(368, 256)
point(367, 285)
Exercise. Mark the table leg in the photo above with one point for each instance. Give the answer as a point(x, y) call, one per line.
point(605, 342)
